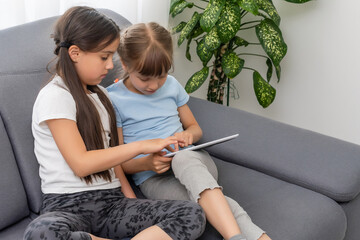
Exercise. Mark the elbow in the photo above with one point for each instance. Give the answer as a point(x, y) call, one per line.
point(200, 133)
point(80, 171)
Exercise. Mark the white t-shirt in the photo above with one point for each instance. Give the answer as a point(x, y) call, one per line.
point(55, 102)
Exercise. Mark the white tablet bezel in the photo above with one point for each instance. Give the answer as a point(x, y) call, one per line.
point(203, 145)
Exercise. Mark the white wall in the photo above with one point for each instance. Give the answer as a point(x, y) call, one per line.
point(320, 85)
point(16, 12)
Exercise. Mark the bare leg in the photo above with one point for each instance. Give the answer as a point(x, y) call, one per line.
point(152, 233)
point(97, 238)
point(218, 212)
point(264, 237)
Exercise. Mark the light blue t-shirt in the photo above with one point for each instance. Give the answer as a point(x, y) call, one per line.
point(145, 117)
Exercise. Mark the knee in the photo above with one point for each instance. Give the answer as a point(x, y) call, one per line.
point(182, 159)
point(196, 221)
point(38, 227)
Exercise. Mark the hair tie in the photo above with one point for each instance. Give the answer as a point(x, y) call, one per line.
point(65, 44)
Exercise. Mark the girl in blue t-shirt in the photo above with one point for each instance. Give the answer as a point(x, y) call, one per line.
point(150, 103)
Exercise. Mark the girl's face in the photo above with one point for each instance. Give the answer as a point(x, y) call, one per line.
point(140, 84)
point(92, 67)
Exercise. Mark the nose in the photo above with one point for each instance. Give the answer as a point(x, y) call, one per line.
point(154, 84)
point(110, 64)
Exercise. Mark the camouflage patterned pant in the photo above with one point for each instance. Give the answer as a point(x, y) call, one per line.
point(108, 214)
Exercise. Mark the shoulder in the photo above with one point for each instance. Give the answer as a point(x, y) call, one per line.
point(54, 91)
point(54, 101)
point(172, 80)
point(115, 87)
point(117, 90)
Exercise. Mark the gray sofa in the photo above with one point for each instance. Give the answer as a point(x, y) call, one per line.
point(294, 183)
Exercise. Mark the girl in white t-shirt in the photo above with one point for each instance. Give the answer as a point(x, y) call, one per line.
point(146, 54)
point(76, 145)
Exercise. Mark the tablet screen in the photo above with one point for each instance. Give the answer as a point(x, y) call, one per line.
point(204, 145)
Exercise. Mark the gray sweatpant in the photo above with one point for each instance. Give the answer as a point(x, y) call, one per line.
point(192, 173)
point(108, 214)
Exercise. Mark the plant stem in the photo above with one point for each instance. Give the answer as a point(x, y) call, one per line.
point(218, 78)
point(199, 7)
point(228, 92)
point(247, 28)
point(252, 54)
point(257, 21)
point(243, 13)
point(248, 68)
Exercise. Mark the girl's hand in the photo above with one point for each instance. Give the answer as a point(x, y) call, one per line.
point(157, 145)
point(184, 138)
point(158, 163)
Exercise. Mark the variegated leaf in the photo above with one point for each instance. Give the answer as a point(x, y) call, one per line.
point(197, 80)
point(197, 31)
point(249, 5)
point(204, 53)
point(211, 14)
point(229, 21)
point(240, 41)
point(180, 6)
point(232, 64)
point(174, 3)
point(298, 1)
point(178, 28)
point(212, 40)
point(188, 28)
point(270, 69)
point(271, 40)
point(278, 72)
point(268, 7)
point(187, 53)
point(264, 92)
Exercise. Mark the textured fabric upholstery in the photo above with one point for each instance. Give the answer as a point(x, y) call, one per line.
point(13, 206)
point(321, 163)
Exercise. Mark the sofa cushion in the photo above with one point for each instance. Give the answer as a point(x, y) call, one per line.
point(283, 210)
point(13, 205)
point(320, 163)
point(16, 231)
point(16, 109)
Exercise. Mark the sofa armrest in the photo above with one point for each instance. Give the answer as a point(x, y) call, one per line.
point(323, 164)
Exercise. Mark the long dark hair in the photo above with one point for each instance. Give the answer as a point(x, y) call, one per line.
point(91, 31)
point(146, 49)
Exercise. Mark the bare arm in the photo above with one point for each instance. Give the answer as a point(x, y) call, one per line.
point(192, 131)
point(119, 172)
point(83, 162)
point(125, 185)
point(154, 162)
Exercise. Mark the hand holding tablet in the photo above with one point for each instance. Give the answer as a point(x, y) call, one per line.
point(203, 145)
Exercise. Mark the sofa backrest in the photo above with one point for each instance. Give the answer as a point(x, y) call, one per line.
point(289, 153)
point(25, 51)
point(13, 206)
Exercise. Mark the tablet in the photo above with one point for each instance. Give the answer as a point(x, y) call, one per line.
point(204, 145)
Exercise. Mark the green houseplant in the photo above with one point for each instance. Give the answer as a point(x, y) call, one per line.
point(215, 26)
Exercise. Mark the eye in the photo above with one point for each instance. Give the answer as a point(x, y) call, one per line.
point(104, 58)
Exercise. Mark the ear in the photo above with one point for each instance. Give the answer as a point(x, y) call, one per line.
point(74, 53)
